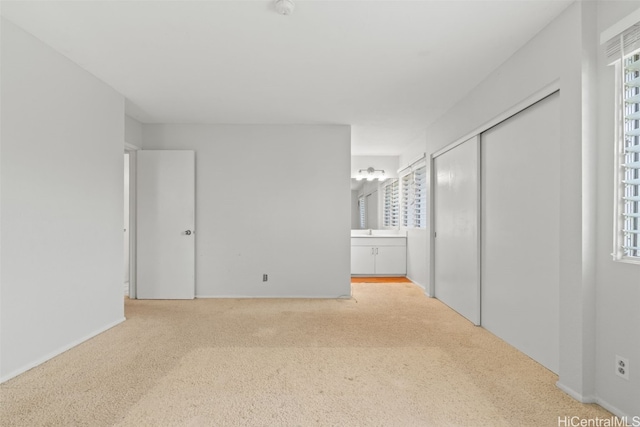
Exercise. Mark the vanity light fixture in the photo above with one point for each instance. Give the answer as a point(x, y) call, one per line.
point(284, 7)
point(370, 174)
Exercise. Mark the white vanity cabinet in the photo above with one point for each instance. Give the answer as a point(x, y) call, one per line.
point(379, 256)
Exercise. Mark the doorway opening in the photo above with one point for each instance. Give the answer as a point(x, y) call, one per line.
point(129, 221)
point(127, 230)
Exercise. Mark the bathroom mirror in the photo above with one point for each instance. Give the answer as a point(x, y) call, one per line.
point(364, 204)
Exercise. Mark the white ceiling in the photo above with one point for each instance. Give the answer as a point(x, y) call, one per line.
point(388, 68)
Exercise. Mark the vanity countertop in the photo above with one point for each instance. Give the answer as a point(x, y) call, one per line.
point(377, 233)
point(377, 236)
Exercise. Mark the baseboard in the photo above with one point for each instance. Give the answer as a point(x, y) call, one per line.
point(59, 351)
point(415, 282)
point(420, 285)
point(598, 401)
point(617, 412)
point(574, 394)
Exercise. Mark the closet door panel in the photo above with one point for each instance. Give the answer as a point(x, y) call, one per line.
point(520, 229)
point(456, 190)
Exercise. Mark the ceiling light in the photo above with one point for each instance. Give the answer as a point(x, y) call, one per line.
point(371, 174)
point(284, 7)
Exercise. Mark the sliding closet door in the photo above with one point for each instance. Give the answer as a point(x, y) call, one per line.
point(520, 225)
point(456, 259)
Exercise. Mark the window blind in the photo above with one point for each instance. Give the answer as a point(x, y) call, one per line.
point(630, 152)
point(391, 204)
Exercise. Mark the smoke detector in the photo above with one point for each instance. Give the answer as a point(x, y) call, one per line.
point(284, 7)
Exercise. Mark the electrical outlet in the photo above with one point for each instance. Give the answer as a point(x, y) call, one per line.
point(622, 367)
point(265, 277)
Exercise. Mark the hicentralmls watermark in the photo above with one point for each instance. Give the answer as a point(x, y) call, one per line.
point(568, 421)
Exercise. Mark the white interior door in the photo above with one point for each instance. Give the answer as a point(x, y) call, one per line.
point(165, 225)
point(456, 226)
point(520, 226)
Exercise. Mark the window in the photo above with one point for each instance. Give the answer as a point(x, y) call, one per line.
point(414, 198)
point(625, 51)
point(420, 198)
point(392, 204)
point(629, 167)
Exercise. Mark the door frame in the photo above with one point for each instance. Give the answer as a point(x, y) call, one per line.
point(132, 151)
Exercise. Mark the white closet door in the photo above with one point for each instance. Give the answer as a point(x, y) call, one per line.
point(520, 225)
point(456, 193)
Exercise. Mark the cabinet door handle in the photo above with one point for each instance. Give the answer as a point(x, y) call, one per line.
point(376, 251)
point(372, 251)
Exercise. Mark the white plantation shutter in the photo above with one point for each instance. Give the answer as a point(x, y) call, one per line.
point(395, 207)
point(420, 198)
point(391, 204)
point(628, 41)
point(629, 168)
point(407, 200)
point(414, 198)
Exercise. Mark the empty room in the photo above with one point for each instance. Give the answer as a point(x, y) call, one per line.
point(317, 212)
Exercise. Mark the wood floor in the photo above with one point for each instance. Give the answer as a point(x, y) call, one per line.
point(380, 280)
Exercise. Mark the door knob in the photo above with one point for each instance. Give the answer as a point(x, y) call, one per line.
point(188, 232)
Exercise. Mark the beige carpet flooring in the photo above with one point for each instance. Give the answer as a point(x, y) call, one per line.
point(389, 356)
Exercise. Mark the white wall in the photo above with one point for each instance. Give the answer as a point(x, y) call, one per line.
point(417, 257)
point(417, 239)
point(618, 284)
point(269, 200)
point(132, 131)
point(555, 57)
point(61, 212)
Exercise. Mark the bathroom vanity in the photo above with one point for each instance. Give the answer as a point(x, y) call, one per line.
point(378, 253)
